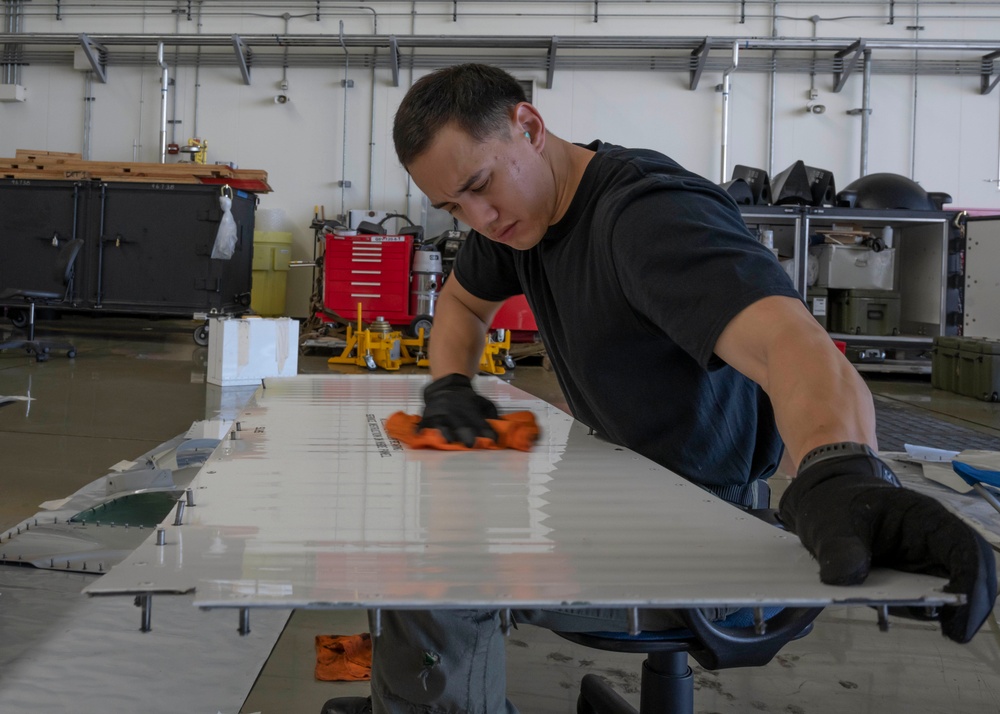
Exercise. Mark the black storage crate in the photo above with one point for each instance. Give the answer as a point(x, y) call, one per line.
point(147, 247)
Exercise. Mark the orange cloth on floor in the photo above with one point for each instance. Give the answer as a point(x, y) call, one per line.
point(344, 658)
point(516, 430)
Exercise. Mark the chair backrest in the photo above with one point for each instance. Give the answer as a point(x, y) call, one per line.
point(63, 270)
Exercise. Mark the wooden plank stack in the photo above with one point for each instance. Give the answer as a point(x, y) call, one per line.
point(59, 166)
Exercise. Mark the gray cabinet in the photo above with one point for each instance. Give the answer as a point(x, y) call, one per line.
point(146, 247)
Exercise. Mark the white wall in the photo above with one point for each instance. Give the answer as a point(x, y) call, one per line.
point(301, 144)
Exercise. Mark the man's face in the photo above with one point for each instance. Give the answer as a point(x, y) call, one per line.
point(501, 187)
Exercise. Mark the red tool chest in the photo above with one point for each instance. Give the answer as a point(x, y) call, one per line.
point(373, 270)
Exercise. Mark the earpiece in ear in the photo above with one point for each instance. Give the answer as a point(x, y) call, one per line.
point(527, 136)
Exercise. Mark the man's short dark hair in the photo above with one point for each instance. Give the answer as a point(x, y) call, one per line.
point(477, 97)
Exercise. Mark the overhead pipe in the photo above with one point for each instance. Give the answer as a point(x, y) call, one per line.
point(725, 109)
point(772, 91)
point(164, 85)
point(11, 52)
point(913, 110)
point(343, 152)
point(866, 93)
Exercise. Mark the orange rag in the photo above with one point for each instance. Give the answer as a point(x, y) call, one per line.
point(516, 430)
point(344, 658)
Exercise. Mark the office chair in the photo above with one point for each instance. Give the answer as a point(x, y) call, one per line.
point(667, 681)
point(63, 273)
point(744, 639)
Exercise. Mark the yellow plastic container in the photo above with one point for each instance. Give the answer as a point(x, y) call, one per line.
point(272, 251)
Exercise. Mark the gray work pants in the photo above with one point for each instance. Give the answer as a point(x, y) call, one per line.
point(452, 661)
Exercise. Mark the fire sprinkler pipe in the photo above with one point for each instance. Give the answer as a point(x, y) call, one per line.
point(164, 85)
point(725, 109)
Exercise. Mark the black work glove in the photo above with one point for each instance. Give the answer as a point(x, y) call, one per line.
point(454, 408)
point(850, 512)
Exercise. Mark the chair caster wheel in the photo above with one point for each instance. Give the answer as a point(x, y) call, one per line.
point(71, 354)
point(41, 357)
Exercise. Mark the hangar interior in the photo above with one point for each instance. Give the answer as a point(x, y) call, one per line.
point(860, 145)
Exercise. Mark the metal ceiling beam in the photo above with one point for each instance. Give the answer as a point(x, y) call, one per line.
point(506, 41)
point(242, 54)
point(544, 53)
point(96, 55)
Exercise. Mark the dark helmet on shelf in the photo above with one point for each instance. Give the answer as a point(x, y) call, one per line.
point(886, 191)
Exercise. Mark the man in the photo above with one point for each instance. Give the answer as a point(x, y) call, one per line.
point(611, 244)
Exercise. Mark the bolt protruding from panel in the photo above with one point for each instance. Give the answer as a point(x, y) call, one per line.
point(505, 622)
point(146, 603)
point(161, 536)
point(633, 621)
point(376, 622)
point(244, 628)
point(883, 618)
point(190, 497)
point(179, 516)
point(759, 624)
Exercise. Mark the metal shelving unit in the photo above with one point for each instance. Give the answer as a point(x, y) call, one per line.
point(927, 271)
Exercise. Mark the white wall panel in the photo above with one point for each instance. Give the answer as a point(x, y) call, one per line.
point(301, 144)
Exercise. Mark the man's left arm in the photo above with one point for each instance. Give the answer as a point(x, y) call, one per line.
point(845, 504)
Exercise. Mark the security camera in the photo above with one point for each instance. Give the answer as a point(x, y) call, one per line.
point(816, 108)
point(283, 85)
point(281, 99)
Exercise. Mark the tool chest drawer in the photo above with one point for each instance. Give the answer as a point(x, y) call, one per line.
point(371, 270)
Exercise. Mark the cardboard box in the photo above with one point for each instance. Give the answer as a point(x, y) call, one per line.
point(245, 351)
point(854, 267)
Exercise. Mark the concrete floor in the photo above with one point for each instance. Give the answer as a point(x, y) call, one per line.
point(137, 383)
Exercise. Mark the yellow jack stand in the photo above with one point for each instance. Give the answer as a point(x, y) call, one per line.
point(496, 357)
point(379, 346)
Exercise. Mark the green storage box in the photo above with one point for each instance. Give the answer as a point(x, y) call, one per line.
point(818, 302)
point(865, 312)
point(945, 363)
point(979, 368)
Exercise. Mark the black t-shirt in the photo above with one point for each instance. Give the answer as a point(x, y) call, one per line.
point(631, 290)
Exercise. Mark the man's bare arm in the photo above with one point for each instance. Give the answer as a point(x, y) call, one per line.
point(818, 396)
point(459, 333)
